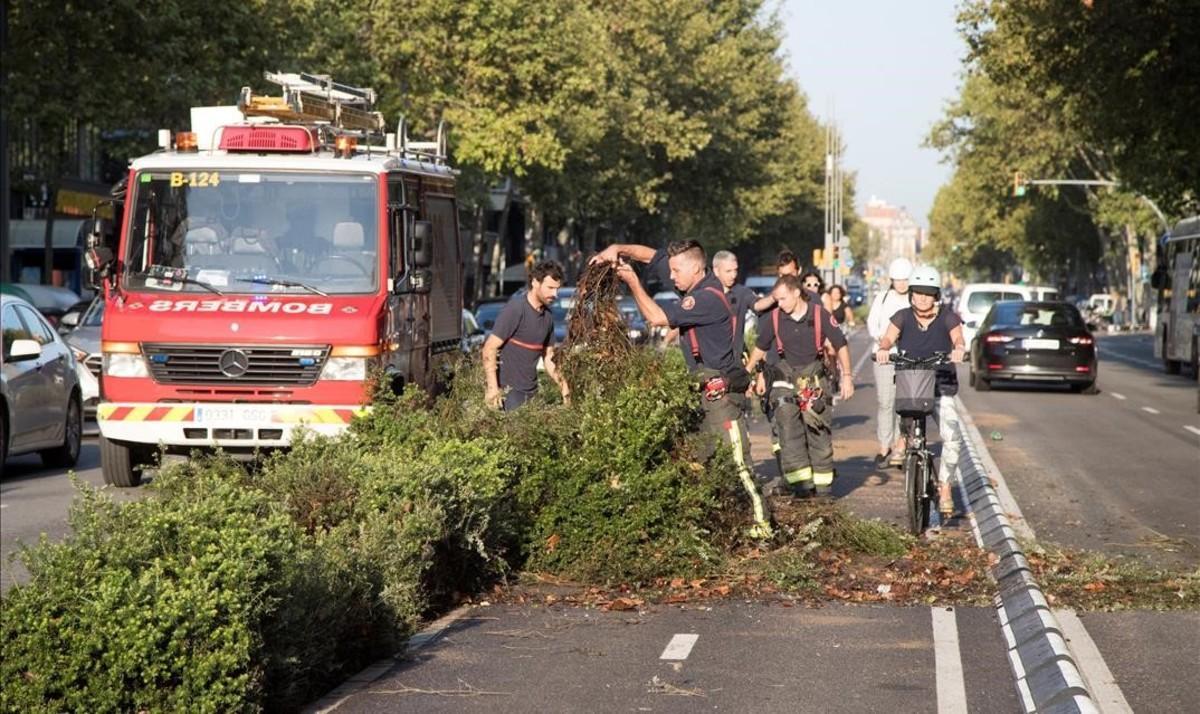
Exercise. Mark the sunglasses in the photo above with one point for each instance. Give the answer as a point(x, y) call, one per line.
point(811, 284)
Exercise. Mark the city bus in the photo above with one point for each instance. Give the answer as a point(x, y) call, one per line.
point(1177, 280)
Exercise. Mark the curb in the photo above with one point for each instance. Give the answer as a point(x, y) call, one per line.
point(1047, 677)
point(360, 682)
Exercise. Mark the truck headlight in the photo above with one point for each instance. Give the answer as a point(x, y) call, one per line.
point(346, 369)
point(118, 364)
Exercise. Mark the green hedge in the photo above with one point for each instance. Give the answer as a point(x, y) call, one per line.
point(231, 589)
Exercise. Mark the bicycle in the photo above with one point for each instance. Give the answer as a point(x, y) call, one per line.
point(915, 401)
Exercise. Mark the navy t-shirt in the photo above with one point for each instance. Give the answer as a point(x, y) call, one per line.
point(799, 337)
point(704, 311)
point(526, 334)
point(919, 343)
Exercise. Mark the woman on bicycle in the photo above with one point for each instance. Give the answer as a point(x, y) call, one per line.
point(919, 332)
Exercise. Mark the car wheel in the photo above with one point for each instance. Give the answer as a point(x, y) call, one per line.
point(1089, 388)
point(68, 454)
point(120, 464)
point(982, 385)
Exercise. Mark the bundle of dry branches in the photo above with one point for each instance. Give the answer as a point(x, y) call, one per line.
point(597, 336)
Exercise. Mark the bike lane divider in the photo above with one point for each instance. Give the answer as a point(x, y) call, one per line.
point(1193, 429)
point(951, 686)
point(1048, 678)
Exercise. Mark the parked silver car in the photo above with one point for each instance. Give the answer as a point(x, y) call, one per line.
point(84, 341)
point(40, 404)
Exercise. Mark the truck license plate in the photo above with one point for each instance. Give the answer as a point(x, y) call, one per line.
point(233, 415)
point(1040, 344)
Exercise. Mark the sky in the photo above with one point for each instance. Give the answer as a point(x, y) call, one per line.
point(887, 68)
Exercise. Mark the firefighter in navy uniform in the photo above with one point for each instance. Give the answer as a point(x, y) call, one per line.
point(797, 384)
point(707, 324)
point(522, 335)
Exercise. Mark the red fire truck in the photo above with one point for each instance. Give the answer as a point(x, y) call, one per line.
point(269, 264)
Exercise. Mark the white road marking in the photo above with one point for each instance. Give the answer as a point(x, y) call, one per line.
point(1117, 396)
point(1151, 410)
point(679, 647)
point(951, 689)
point(1193, 429)
point(1099, 678)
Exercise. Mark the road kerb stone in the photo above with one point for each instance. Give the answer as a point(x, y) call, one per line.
point(1047, 678)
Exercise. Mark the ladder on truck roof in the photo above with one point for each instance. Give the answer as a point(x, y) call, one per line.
point(315, 98)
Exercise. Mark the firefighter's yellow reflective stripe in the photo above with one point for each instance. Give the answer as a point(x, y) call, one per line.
point(822, 478)
point(735, 437)
point(104, 411)
point(803, 475)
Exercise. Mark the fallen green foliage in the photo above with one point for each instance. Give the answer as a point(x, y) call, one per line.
point(1094, 581)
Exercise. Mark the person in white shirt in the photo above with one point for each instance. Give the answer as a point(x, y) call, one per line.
point(888, 303)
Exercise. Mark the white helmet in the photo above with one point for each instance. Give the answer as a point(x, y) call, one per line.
point(925, 279)
point(900, 269)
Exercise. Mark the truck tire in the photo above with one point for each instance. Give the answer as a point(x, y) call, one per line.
point(119, 464)
point(67, 455)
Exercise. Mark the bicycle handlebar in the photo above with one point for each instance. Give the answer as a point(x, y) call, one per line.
point(902, 360)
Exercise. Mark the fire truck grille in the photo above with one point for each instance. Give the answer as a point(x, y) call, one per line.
point(235, 364)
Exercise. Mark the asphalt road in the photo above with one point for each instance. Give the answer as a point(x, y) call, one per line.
point(732, 656)
point(35, 500)
point(1118, 471)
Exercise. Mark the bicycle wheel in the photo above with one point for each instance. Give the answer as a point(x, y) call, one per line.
point(914, 487)
point(928, 490)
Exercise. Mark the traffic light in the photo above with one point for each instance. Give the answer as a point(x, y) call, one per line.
point(1018, 184)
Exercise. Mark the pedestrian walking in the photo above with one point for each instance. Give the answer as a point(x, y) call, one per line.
point(706, 322)
point(798, 385)
point(883, 307)
point(522, 335)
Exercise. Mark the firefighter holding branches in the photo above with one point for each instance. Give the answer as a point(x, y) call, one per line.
point(706, 323)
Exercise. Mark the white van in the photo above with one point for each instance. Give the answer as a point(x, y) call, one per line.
point(978, 298)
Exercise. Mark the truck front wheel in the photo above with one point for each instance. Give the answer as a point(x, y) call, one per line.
point(120, 463)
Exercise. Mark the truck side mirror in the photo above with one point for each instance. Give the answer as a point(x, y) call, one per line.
point(422, 244)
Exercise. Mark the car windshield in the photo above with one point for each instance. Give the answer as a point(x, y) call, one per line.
point(979, 302)
point(1015, 314)
point(243, 232)
point(94, 315)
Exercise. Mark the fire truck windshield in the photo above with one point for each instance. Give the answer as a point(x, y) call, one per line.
point(242, 232)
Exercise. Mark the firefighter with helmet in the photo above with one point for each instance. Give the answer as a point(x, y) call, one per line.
point(920, 331)
point(798, 385)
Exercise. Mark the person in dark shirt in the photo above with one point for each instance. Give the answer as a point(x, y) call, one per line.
point(798, 384)
point(523, 334)
point(741, 298)
point(706, 323)
point(919, 332)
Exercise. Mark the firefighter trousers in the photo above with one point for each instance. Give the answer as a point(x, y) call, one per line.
point(805, 441)
point(723, 417)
